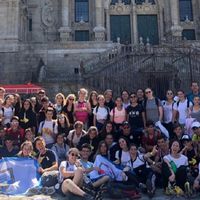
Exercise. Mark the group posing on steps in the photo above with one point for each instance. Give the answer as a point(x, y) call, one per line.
point(85, 147)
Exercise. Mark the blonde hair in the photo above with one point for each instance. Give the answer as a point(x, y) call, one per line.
point(84, 91)
point(26, 143)
point(61, 95)
point(71, 95)
point(75, 150)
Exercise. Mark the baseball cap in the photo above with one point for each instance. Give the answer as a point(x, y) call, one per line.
point(125, 123)
point(186, 137)
point(41, 92)
point(195, 124)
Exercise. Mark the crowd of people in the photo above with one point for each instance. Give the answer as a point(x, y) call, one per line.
point(143, 141)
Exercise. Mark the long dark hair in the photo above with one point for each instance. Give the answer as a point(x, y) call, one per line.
point(90, 96)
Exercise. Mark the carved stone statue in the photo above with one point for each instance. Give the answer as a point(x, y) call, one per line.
point(41, 71)
point(48, 17)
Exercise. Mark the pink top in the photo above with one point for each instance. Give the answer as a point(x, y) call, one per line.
point(81, 115)
point(119, 116)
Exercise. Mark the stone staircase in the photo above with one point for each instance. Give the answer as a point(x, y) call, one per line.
point(66, 65)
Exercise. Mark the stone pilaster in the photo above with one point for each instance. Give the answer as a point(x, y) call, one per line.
point(99, 29)
point(176, 29)
point(65, 30)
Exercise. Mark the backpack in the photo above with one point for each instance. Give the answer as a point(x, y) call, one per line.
point(54, 123)
point(4, 110)
point(188, 103)
point(164, 103)
point(108, 111)
point(145, 103)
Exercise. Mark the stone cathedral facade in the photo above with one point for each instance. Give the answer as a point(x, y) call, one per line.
point(44, 21)
point(42, 31)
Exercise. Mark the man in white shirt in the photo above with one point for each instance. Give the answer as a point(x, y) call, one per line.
point(48, 128)
point(181, 108)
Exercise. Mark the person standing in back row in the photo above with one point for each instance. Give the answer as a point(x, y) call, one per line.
point(181, 108)
point(154, 111)
point(82, 107)
point(194, 91)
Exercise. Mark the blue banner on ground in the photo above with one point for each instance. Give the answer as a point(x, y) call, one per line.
point(107, 168)
point(17, 175)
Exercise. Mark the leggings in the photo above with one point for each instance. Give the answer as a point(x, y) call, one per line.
point(180, 175)
point(139, 176)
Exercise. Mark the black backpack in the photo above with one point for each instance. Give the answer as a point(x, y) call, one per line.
point(145, 103)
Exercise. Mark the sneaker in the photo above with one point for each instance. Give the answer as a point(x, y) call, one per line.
point(33, 191)
point(143, 187)
point(188, 190)
point(48, 190)
point(178, 191)
point(170, 189)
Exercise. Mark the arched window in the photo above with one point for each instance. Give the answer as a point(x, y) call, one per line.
point(126, 2)
point(185, 9)
point(81, 10)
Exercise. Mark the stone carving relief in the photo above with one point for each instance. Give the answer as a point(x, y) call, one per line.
point(147, 7)
point(49, 19)
point(120, 8)
point(48, 14)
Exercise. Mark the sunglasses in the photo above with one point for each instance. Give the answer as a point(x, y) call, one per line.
point(195, 128)
point(169, 93)
point(74, 154)
point(147, 92)
point(126, 127)
point(71, 99)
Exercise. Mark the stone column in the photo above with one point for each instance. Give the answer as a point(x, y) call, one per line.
point(134, 17)
point(65, 30)
point(108, 24)
point(176, 29)
point(99, 29)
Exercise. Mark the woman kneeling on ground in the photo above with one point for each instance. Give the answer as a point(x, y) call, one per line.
point(71, 175)
point(174, 171)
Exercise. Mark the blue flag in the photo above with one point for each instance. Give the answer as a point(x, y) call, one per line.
point(18, 174)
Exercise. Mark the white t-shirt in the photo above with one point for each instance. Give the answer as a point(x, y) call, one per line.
point(182, 108)
point(125, 157)
point(125, 105)
point(101, 113)
point(75, 140)
point(8, 114)
point(167, 111)
point(181, 161)
point(45, 128)
point(68, 167)
point(137, 162)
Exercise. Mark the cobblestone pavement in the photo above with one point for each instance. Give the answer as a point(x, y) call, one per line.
point(158, 196)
